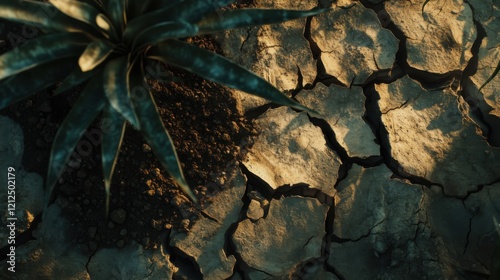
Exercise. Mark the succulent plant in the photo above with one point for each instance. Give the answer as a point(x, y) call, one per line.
point(105, 47)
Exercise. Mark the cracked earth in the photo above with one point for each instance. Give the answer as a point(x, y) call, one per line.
point(397, 177)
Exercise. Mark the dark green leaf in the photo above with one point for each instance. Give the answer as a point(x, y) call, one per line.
point(95, 53)
point(86, 13)
point(136, 8)
point(24, 84)
point(41, 15)
point(41, 50)
point(113, 129)
point(116, 9)
point(250, 17)
point(163, 31)
point(77, 77)
point(219, 69)
point(116, 87)
point(188, 10)
point(493, 75)
point(83, 112)
point(156, 135)
point(77, 10)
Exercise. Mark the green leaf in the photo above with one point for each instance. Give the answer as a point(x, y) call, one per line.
point(88, 14)
point(493, 75)
point(77, 77)
point(41, 50)
point(194, 10)
point(116, 87)
point(113, 129)
point(77, 10)
point(160, 4)
point(156, 135)
point(163, 31)
point(187, 10)
point(219, 69)
point(95, 53)
point(116, 9)
point(83, 112)
point(41, 15)
point(135, 8)
point(250, 17)
point(24, 84)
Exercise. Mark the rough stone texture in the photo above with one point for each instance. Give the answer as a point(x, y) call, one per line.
point(353, 44)
point(487, 101)
point(205, 240)
point(343, 109)
point(485, 209)
point(275, 52)
point(291, 233)
point(432, 137)
point(368, 201)
point(28, 196)
point(398, 230)
point(440, 39)
point(291, 150)
point(52, 255)
point(131, 262)
point(255, 210)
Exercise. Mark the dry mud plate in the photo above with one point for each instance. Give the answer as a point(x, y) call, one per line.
point(397, 177)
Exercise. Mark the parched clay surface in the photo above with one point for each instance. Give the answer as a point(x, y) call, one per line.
point(398, 177)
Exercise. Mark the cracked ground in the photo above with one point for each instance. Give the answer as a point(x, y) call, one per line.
point(397, 177)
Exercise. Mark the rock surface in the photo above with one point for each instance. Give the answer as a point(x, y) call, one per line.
point(205, 241)
point(487, 100)
point(276, 52)
point(291, 150)
point(26, 200)
point(439, 38)
point(369, 202)
point(352, 49)
point(291, 233)
point(390, 225)
point(432, 137)
point(131, 262)
point(343, 109)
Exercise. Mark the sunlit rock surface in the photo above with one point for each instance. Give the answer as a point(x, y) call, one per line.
point(343, 109)
point(291, 150)
point(291, 233)
point(439, 35)
point(353, 43)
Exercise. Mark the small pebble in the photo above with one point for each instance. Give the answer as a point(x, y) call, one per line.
point(118, 215)
point(120, 243)
point(146, 148)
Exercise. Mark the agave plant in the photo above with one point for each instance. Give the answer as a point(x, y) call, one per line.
point(105, 46)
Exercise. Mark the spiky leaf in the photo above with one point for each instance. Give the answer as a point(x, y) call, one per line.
point(156, 135)
point(250, 17)
point(219, 69)
point(95, 53)
point(77, 77)
point(77, 10)
point(41, 15)
point(116, 87)
point(113, 129)
point(163, 31)
point(83, 112)
point(41, 50)
point(116, 9)
point(20, 86)
point(188, 10)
